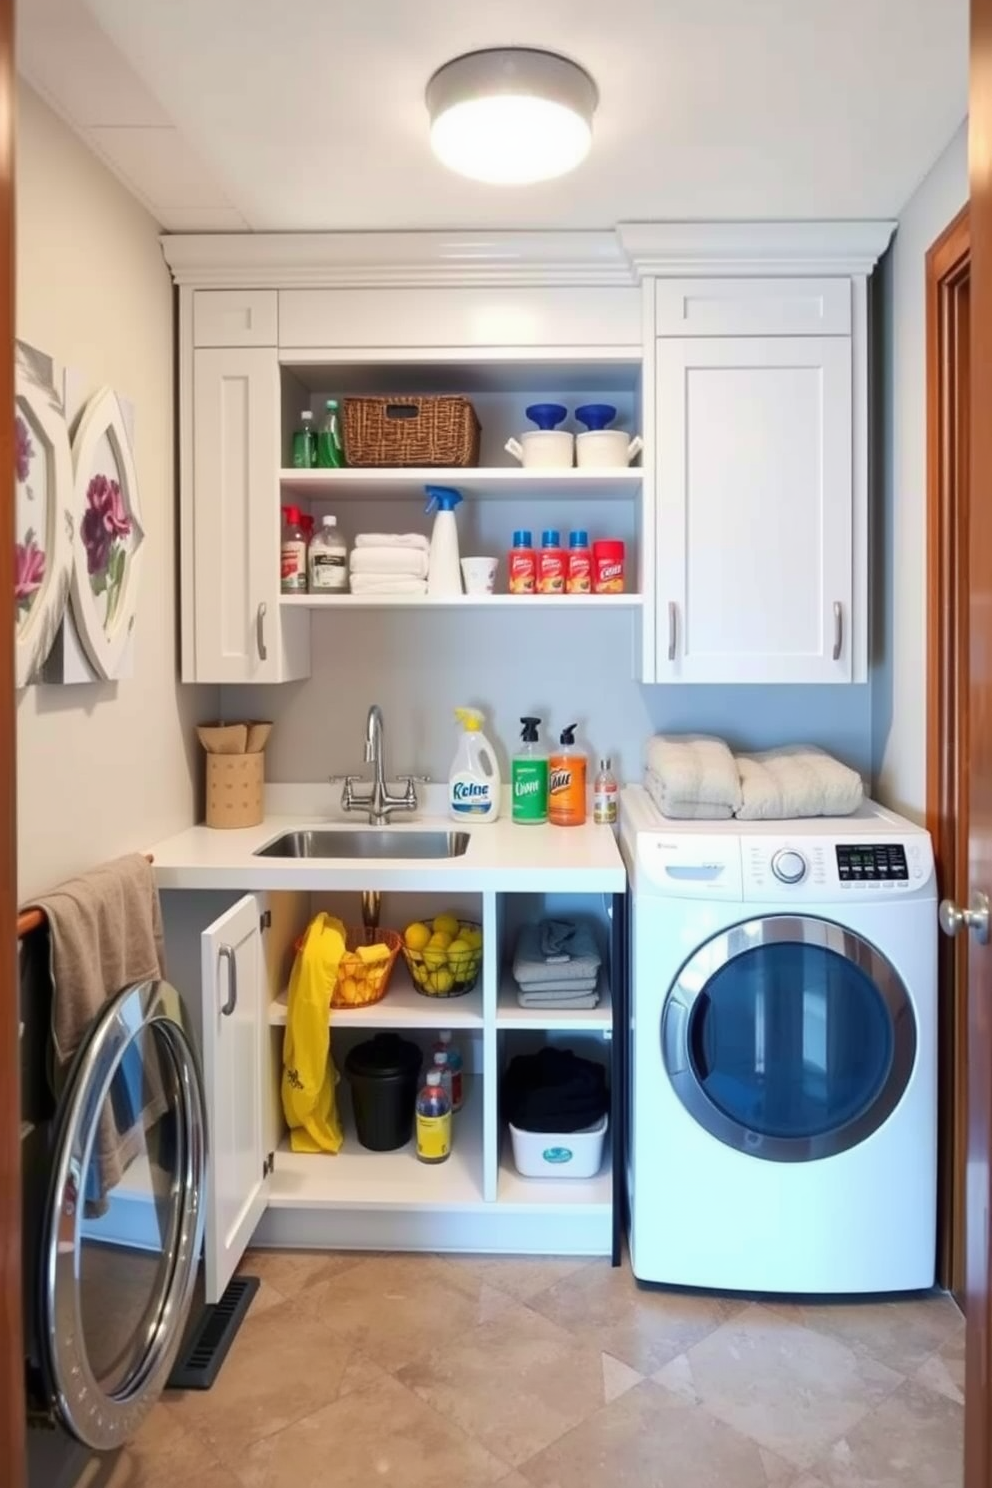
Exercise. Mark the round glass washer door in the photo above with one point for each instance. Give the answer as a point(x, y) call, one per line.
point(124, 1218)
point(789, 1038)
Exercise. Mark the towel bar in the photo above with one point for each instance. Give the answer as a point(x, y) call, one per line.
point(33, 919)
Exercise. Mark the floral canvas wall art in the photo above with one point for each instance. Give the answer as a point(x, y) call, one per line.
point(108, 534)
point(43, 529)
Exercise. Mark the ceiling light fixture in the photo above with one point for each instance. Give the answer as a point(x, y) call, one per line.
point(511, 115)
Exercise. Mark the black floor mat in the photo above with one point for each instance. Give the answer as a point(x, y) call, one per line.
point(206, 1349)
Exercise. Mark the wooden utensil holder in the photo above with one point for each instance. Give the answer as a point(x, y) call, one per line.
point(235, 790)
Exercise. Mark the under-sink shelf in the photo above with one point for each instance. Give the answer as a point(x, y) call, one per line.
point(355, 1177)
point(402, 1007)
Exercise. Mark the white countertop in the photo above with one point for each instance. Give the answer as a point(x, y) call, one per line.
point(500, 857)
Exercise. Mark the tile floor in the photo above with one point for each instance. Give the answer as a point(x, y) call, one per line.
point(415, 1370)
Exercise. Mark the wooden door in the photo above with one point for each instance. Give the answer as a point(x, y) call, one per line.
point(236, 515)
point(755, 509)
point(978, 1366)
point(235, 1032)
point(11, 1349)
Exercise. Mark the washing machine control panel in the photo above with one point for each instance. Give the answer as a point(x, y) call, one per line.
point(809, 868)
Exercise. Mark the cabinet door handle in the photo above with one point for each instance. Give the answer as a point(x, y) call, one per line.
point(263, 650)
point(838, 629)
point(226, 953)
point(673, 628)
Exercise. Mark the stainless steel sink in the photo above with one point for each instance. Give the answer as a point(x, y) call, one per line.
point(385, 843)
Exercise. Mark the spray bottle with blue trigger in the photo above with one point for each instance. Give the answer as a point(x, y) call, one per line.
point(444, 575)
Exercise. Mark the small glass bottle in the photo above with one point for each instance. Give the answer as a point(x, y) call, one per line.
point(305, 443)
point(444, 1069)
point(605, 795)
point(330, 452)
point(433, 1121)
point(455, 1065)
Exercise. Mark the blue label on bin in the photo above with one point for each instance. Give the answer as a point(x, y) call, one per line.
point(557, 1154)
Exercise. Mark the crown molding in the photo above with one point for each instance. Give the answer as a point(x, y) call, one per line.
point(753, 248)
point(395, 260)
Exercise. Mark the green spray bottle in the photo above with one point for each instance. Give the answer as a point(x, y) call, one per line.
point(529, 777)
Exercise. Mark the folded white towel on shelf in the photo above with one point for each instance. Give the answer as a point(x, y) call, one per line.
point(393, 540)
point(695, 776)
point(798, 780)
point(411, 562)
point(387, 584)
point(542, 1000)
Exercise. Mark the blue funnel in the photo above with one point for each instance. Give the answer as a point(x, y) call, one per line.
point(596, 415)
point(546, 415)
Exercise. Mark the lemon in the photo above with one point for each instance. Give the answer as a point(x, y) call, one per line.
point(459, 949)
point(472, 937)
point(447, 923)
point(440, 940)
point(435, 956)
point(416, 936)
point(443, 980)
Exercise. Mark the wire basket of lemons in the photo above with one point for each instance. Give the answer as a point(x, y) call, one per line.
point(444, 955)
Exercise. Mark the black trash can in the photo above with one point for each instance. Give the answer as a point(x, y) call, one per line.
point(384, 1074)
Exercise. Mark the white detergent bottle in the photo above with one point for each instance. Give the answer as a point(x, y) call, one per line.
point(474, 785)
point(444, 576)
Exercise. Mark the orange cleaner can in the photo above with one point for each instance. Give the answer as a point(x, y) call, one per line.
point(567, 783)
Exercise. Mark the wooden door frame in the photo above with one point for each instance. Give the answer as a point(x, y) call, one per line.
point(12, 1442)
point(948, 276)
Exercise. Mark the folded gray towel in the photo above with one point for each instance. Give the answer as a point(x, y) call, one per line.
point(561, 987)
point(531, 965)
point(538, 1000)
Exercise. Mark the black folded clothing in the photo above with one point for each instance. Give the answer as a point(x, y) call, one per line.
point(554, 1090)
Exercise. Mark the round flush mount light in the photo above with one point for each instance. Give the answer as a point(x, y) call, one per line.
point(511, 116)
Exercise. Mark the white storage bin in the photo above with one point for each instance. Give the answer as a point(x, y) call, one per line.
point(575, 1154)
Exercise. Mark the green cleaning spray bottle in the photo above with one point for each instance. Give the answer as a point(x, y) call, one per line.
point(530, 777)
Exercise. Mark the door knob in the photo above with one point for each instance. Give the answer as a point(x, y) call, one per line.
point(975, 918)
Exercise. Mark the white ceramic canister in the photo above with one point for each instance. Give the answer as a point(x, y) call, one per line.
point(543, 447)
point(607, 449)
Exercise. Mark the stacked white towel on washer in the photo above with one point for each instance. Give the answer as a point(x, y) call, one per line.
point(389, 563)
point(692, 777)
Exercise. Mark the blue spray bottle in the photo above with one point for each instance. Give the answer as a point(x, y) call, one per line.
point(444, 575)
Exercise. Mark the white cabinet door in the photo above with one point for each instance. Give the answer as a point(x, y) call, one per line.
point(754, 509)
point(240, 635)
point(235, 1031)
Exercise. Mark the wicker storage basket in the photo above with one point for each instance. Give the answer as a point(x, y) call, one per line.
point(411, 431)
point(359, 984)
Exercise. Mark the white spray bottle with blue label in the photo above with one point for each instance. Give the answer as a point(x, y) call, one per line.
point(444, 575)
point(474, 784)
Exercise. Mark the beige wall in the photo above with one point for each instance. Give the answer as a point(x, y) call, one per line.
point(899, 697)
point(103, 768)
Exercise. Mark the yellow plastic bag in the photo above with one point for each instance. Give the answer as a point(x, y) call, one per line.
point(308, 1073)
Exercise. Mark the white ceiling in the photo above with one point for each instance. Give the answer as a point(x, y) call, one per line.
point(309, 114)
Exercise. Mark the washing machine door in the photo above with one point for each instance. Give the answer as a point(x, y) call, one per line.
point(789, 1038)
point(124, 1219)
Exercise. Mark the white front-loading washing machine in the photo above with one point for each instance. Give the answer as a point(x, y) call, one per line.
point(783, 1052)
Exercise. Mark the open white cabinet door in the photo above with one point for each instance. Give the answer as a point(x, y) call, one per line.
point(234, 1026)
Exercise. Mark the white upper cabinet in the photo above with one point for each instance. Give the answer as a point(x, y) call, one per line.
point(240, 634)
point(754, 509)
point(235, 317)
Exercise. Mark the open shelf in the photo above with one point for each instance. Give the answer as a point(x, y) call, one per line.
point(494, 482)
point(599, 602)
point(355, 1177)
point(573, 1194)
point(509, 1013)
point(402, 1007)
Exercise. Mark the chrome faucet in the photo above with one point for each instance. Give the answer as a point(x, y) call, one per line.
point(375, 799)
